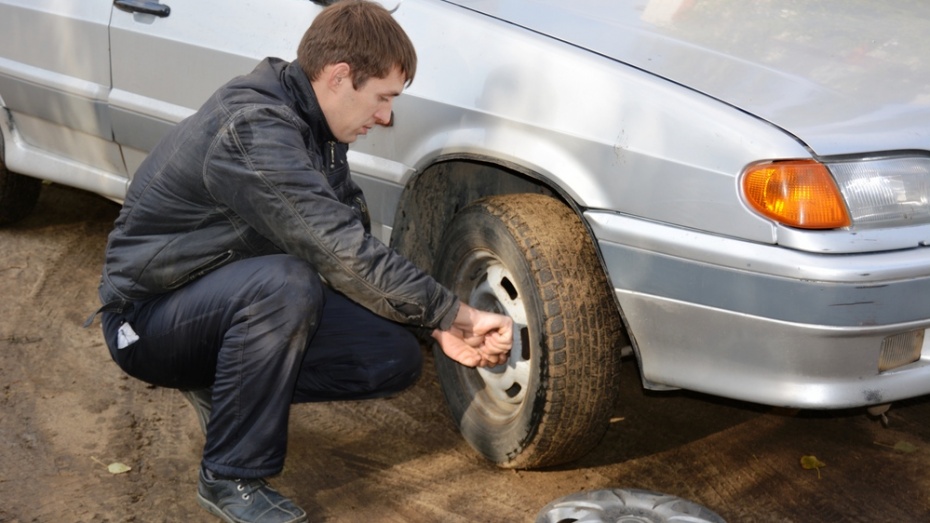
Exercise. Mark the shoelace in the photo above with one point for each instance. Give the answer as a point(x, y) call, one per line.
point(248, 486)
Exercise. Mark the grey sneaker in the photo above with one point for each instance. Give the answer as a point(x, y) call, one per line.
point(202, 401)
point(246, 501)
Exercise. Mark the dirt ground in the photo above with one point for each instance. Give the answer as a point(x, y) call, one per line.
point(68, 412)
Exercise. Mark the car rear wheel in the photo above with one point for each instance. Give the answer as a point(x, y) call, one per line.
point(530, 257)
point(18, 195)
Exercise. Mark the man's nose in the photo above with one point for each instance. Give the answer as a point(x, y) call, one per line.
point(385, 119)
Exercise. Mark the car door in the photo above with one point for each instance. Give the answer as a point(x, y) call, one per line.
point(54, 83)
point(168, 58)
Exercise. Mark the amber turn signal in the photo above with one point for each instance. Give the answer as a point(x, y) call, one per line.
point(796, 193)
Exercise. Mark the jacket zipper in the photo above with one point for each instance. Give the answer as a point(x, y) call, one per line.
point(214, 263)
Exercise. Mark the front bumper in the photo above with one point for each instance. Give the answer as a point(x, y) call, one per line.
point(763, 323)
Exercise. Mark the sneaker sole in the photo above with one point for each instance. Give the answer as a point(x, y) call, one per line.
point(213, 509)
point(216, 511)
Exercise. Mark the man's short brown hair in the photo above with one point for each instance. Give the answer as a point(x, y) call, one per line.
point(362, 34)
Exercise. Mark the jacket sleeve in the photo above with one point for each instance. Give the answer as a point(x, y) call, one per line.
point(260, 168)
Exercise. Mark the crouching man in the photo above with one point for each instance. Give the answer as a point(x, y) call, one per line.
point(241, 270)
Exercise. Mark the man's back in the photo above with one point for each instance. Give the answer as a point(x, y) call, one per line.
point(184, 213)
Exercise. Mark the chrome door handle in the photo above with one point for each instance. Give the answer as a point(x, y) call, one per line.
point(149, 7)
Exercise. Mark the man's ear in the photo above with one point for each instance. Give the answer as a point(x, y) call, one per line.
point(338, 75)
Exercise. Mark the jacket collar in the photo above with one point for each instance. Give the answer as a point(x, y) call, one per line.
point(300, 90)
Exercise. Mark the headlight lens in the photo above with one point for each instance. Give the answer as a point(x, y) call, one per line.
point(797, 193)
point(864, 193)
point(885, 192)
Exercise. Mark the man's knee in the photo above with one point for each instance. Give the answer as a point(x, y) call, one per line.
point(286, 285)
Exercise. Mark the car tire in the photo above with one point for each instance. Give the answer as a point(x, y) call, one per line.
point(18, 195)
point(633, 505)
point(530, 257)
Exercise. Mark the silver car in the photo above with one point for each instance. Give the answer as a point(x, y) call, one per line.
point(737, 193)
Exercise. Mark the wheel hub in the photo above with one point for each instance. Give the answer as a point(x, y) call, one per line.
point(494, 289)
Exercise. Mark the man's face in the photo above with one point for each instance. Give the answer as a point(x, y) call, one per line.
point(355, 111)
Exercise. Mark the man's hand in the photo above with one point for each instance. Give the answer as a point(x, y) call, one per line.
point(477, 338)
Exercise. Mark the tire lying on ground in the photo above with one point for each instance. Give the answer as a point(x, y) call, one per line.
point(18, 195)
point(530, 257)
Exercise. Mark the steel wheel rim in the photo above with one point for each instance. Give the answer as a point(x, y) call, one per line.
point(491, 286)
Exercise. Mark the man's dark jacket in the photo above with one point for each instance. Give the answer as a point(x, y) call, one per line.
point(257, 171)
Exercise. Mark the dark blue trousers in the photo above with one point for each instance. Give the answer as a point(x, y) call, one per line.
point(263, 333)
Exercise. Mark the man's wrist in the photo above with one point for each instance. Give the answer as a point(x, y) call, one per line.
point(449, 318)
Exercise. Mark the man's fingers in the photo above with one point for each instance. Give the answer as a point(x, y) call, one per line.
point(474, 342)
point(456, 349)
point(465, 355)
point(491, 361)
point(483, 343)
point(499, 342)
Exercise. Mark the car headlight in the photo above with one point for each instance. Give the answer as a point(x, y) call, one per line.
point(862, 194)
point(885, 192)
point(797, 193)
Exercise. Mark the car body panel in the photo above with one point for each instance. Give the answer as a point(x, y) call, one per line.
point(55, 81)
point(197, 53)
point(754, 358)
point(857, 62)
point(812, 325)
point(595, 157)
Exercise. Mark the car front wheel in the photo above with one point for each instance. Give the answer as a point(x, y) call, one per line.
point(529, 256)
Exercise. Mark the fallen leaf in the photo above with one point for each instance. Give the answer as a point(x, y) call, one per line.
point(811, 462)
point(118, 468)
point(905, 447)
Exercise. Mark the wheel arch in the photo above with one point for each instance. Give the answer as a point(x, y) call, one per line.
point(433, 196)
